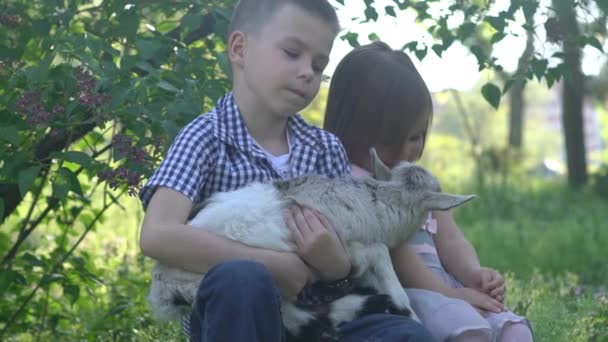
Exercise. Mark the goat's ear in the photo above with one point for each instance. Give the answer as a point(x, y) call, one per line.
point(381, 171)
point(443, 201)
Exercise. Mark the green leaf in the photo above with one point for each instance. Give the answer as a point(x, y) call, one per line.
point(373, 37)
point(166, 26)
point(41, 72)
point(49, 278)
point(147, 48)
point(465, 30)
point(162, 84)
point(352, 38)
point(191, 21)
point(421, 53)
point(411, 46)
point(71, 291)
point(1, 210)
point(32, 260)
point(539, 66)
point(65, 181)
point(128, 23)
point(170, 128)
point(402, 4)
point(9, 277)
point(26, 178)
point(118, 309)
point(77, 157)
point(529, 8)
point(553, 74)
point(10, 134)
point(477, 51)
point(492, 94)
point(591, 40)
point(438, 48)
point(390, 10)
point(370, 13)
point(496, 22)
point(496, 37)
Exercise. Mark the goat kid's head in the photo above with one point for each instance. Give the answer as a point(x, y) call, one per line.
point(418, 184)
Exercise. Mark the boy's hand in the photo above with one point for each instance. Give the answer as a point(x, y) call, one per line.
point(317, 243)
point(489, 281)
point(479, 300)
point(290, 273)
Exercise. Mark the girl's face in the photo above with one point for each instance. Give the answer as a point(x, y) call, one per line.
point(411, 149)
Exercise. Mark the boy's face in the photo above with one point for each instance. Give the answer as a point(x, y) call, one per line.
point(282, 65)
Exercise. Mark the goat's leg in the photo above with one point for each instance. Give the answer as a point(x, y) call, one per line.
point(303, 325)
point(374, 268)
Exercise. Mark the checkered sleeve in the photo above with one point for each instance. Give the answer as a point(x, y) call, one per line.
point(336, 159)
point(341, 165)
point(186, 163)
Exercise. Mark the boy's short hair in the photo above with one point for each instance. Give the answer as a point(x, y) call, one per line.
point(250, 15)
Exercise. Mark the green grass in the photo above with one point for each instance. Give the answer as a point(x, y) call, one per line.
point(548, 240)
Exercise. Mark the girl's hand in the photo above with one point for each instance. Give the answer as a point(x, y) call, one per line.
point(489, 281)
point(317, 243)
point(479, 300)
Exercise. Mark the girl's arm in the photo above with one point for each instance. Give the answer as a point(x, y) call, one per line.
point(455, 252)
point(166, 238)
point(413, 273)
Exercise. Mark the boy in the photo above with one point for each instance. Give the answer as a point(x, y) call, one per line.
point(278, 50)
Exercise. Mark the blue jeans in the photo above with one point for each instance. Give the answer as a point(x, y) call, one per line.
point(238, 301)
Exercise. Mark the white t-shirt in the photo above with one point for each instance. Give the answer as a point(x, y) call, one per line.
point(280, 163)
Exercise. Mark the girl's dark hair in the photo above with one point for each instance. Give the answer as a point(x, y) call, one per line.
point(376, 97)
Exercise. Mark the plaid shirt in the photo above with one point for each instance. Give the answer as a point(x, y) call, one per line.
point(214, 153)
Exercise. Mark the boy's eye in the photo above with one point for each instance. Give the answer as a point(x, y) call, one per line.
point(291, 53)
point(317, 68)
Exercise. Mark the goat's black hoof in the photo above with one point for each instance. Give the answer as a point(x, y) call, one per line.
point(376, 304)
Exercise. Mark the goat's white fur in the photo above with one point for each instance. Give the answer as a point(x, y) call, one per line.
point(368, 223)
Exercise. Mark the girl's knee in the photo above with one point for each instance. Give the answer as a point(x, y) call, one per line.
point(480, 335)
point(516, 332)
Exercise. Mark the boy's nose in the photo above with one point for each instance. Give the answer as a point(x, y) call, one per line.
point(306, 72)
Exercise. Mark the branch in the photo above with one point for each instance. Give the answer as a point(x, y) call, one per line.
point(25, 232)
point(9, 192)
point(58, 264)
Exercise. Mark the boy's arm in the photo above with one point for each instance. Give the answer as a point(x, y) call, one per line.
point(166, 238)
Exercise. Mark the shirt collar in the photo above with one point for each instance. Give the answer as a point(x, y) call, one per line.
point(230, 128)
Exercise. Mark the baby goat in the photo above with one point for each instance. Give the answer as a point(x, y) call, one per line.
point(371, 215)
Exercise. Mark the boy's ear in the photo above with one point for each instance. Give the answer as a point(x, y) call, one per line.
point(236, 47)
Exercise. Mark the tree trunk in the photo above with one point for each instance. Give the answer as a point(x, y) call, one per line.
point(517, 103)
point(572, 94)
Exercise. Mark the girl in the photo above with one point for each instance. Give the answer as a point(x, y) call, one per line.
point(378, 99)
